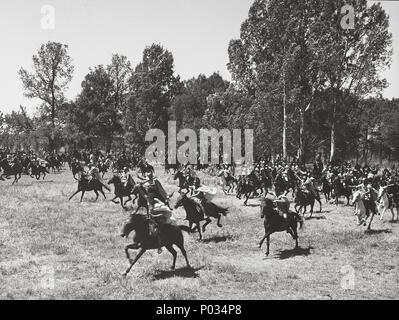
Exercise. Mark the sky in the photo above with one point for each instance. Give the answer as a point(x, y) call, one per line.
point(197, 32)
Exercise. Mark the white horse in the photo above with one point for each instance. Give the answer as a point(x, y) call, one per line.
point(385, 205)
point(361, 211)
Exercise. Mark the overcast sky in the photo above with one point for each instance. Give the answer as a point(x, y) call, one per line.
point(197, 32)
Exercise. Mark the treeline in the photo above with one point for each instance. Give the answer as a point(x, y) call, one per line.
point(302, 82)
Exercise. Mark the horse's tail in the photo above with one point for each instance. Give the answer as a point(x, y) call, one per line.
point(185, 229)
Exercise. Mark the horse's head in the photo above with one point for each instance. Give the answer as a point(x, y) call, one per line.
point(177, 175)
point(266, 205)
point(180, 200)
point(134, 222)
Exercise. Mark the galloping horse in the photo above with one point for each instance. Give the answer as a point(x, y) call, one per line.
point(227, 180)
point(84, 184)
point(388, 201)
point(195, 213)
point(8, 170)
point(363, 207)
point(339, 190)
point(273, 222)
point(169, 235)
point(304, 199)
point(37, 170)
point(121, 190)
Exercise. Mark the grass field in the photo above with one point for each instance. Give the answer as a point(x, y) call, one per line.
point(54, 249)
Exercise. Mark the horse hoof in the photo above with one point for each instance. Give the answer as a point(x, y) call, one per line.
point(219, 225)
point(124, 274)
point(172, 268)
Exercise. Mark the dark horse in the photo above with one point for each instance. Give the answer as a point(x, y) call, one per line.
point(84, 184)
point(273, 222)
point(8, 170)
point(169, 235)
point(195, 212)
point(37, 170)
point(121, 190)
point(340, 189)
point(304, 199)
point(140, 193)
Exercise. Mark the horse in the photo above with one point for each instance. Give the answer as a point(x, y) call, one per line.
point(84, 184)
point(339, 190)
point(195, 213)
point(363, 207)
point(169, 235)
point(246, 188)
point(387, 202)
point(8, 170)
point(273, 222)
point(304, 199)
point(227, 181)
point(37, 170)
point(140, 193)
point(121, 190)
point(326, 188)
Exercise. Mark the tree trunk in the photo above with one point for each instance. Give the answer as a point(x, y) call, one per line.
point(301, 150)
point(333, 142)
point(284, 125)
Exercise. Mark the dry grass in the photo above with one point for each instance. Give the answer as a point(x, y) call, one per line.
point(75, 247)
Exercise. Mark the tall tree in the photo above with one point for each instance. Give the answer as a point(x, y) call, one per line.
point(350, 60)
point(153, 86)
point(52, 72)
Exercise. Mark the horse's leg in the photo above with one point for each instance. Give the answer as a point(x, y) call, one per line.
point(268, 244)
point(174, 253)
point(218, 223)
point(319, 201)
point(74, 194)
point(95, 191)
point(128, 199)
point(121, 201)
point(383, 213)
point(81, 198)
point(141, 252)
point(130, 246)
point(183, 251)
point(371, 219)
point(263, 240)
point(102, 192)
point(247, 195)
point(199, 230)
point(208, 221)
point(393, 214)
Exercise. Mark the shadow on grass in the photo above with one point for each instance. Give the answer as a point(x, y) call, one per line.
point(382, 231)
point(182, 273)
point(286, 254)
point(217, 239)
point(252, 205)
point(315, 218)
